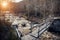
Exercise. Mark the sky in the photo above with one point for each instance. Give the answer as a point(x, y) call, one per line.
point(18, 0)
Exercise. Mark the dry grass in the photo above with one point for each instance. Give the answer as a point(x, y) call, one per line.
point(49, 36)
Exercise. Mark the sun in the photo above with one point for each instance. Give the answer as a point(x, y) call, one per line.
point(4, 4)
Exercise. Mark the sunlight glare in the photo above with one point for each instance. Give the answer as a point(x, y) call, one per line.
point(4, 4)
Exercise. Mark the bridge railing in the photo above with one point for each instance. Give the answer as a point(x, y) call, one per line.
point(41, 28)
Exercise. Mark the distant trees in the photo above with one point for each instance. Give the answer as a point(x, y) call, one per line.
point(44, 7)
point(16, 7)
